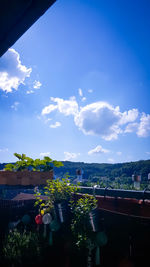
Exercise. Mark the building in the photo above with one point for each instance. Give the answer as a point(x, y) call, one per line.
point(79, 174)
point(136, 181)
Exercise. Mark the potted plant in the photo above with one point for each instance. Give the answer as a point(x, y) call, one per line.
point(20, 249)
point(27, 171)
point(87, 229)
point(27, 163)
point(58, 194)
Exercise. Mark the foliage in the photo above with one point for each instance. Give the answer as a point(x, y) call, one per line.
point(79, 225)
point(9, 167)
point(27, 163)
point(56, 192)
point(110, 171)
point(21, 247)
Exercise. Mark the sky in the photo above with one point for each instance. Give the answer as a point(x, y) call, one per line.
point(76, 85)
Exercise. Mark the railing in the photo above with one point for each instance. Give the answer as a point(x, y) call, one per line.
point(133, 194)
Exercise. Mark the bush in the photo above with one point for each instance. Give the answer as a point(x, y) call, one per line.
point(21, 249)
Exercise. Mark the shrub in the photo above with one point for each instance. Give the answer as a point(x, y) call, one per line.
point(21, 248)
point(79, 225)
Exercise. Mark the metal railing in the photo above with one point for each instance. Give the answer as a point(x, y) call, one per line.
point(134, 194)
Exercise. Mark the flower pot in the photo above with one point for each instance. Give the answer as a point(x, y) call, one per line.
point(94, 220)
point(62, 211)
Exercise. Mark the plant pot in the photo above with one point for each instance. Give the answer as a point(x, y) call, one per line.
point(62, 211)
point(94, 220)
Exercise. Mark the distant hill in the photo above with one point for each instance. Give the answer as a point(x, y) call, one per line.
point(2, 165)
point(103, 169)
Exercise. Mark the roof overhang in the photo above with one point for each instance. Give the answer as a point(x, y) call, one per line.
point(16, 17)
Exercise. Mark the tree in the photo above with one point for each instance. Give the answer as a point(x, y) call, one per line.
point(27, 163)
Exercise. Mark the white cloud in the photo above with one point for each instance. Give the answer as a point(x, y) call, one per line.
point(110, 160)
point(119, 153)
point(49, 109)
point(44, 154)
point(83, 99)
point(80, 92)
point(66, 107)
point(70, 156)
point(99, 118)
point(36, 84)
point(29, 92)
point(98, 150)
point(15, 106)
point(55, 125)
point(131, 127)
point(148, 153)
point(129, 116)
point(12, 72)
point(90, 91)
point(144, 126)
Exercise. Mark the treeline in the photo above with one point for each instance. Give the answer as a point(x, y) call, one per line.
point(111, 171)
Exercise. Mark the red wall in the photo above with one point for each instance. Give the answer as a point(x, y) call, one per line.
point(24, 177)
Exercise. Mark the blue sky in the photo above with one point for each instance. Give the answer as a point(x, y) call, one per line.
point(76, 85)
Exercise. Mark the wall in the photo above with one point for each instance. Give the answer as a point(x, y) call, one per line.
point(24, 177)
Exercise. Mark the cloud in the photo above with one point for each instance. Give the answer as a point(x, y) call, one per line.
point(83, 99)
point(37, 84)
point(101, 118)
point(131, 127)
point(80, 92)
point(30, 92)
point(98, 150)
point(15, 106)
point(129, 116)
point(70, 156)
point(66, 107)
point(55, 125)
point(144, 126)
point(110, 160)
point(44, 154)
point(148, 153)
point(90, 91)
point(48, 109)
point(12, 72)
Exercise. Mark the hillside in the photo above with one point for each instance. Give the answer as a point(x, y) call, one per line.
point(103, 169)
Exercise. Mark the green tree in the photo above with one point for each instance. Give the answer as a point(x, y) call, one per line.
point(25, 163)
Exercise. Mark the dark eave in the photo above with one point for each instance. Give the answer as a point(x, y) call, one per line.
point(16, 17)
